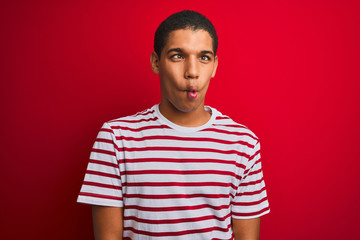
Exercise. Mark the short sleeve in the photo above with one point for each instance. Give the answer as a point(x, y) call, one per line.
point(102, 182)
point(251, 198)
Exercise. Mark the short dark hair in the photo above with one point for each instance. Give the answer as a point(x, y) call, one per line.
point(183, 20)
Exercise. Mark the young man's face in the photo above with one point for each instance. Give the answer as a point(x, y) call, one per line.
point(185, 68)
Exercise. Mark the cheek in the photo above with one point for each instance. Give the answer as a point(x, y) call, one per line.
point(171, 76)
point(206, 86)
point(167, 83)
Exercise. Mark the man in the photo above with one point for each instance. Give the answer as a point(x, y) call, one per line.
point(179, 170)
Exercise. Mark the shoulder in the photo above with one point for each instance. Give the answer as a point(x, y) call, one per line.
point(143, 118)
point(224, 123)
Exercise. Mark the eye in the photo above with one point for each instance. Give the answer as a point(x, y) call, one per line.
point(205, 58)
point(176, 56)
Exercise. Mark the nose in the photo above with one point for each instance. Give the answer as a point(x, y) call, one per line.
point(191, 68)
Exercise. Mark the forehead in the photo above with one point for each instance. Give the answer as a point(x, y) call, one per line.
point(190, 40)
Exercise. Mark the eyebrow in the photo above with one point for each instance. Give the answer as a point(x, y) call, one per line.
point(179, 50)
point(207, 52)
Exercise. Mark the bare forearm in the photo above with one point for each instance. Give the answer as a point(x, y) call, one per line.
point(108, 223)
point(246, 229)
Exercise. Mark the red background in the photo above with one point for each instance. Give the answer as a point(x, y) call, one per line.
point(289, 70)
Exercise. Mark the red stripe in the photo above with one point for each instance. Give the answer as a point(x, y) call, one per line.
point(103, 140)
point(243, 184)
point(231, 238)
point(103, 163)
point(251, 193)
point(102, 174)
point(185, 149)
point(104, 152)
point(247, 170)
point(255, 172)
point(229, 132)
point(254, 155)
point(222, 117)
point(250, 213)
point(174, 221)
point(179, 184)
point(176, 160)
point(179, 233)
point(250, 203)
point(109, 141)
point(100, 196)
point(106, 130)
point(96, 184)
point(157, 137)
point(168, 196)
point(230, 125)
point(250, 169)
point(135, 120)
point(141, 128)
point(176, 208)
point(182, 172)
point(146, 112)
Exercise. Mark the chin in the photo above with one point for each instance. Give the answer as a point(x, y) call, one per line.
point(187, 108)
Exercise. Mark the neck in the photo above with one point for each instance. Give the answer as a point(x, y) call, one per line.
point(193, 118)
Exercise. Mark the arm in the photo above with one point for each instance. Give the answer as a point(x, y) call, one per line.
point(108, 222)
point(246, 229)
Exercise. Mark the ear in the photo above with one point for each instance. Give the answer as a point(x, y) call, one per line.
point(215, 66)
point(154, 61)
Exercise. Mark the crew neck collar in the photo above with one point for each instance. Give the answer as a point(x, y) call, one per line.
point(179, 128)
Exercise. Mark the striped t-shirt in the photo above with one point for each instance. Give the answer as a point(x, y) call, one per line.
point(176, 182)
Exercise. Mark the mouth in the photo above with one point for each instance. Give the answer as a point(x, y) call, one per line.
point(192, 93)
